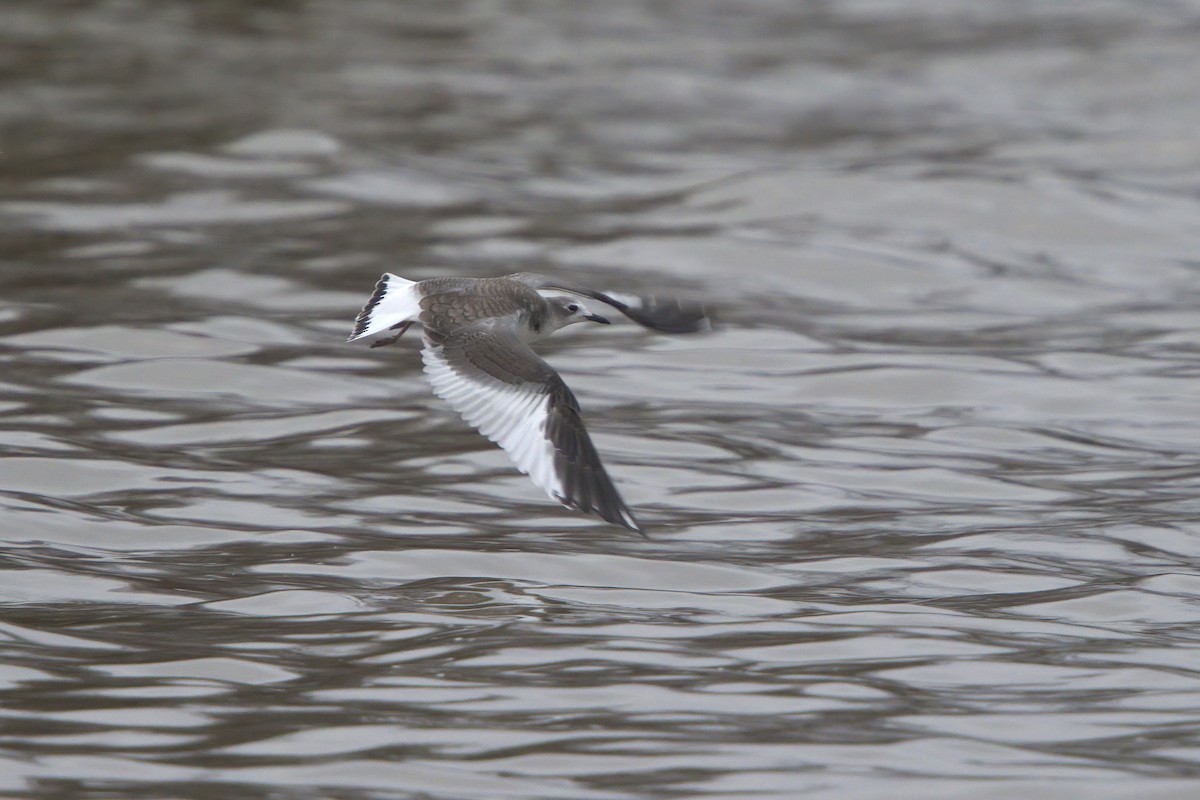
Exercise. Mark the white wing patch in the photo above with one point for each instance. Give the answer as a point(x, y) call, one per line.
point(512, 416)
point(631, 300)
point(395, 301)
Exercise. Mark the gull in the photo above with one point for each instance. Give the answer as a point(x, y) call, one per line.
point(477, 333)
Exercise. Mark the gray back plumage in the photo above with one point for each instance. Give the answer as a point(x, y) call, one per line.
point(449, 304)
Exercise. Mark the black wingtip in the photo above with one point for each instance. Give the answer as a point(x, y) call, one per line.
point(614, 513)
point(672, 316)
point(584, 484)
point(601, 498)
point(621, 515)
point(664, 314)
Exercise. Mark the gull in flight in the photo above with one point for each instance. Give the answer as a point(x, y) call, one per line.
point(477, 333)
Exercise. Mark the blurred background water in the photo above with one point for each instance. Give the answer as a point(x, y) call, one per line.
point(924, 514)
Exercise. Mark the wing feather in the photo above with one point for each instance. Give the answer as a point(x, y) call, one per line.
point(664, 314)
point(502, 388)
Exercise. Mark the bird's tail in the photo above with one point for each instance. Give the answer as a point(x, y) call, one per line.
point(394, 303)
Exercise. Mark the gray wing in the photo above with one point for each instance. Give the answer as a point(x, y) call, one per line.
point(501, 387)
point(668, 315)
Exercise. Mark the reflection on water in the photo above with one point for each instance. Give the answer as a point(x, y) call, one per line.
point(924, 515)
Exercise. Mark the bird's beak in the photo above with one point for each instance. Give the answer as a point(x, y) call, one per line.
point(598, 318)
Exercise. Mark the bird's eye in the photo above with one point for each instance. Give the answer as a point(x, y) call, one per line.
point(572, 308)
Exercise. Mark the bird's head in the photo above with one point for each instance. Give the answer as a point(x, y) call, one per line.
point(566, 311)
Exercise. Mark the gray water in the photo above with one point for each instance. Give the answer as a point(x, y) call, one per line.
point(924, 512)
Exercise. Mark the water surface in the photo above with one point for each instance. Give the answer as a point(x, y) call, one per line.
point(923, 513)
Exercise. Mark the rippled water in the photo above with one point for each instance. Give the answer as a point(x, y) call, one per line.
point(924, 513)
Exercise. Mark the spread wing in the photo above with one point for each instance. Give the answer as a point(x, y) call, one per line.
point(668, 315)
point(490, 376)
